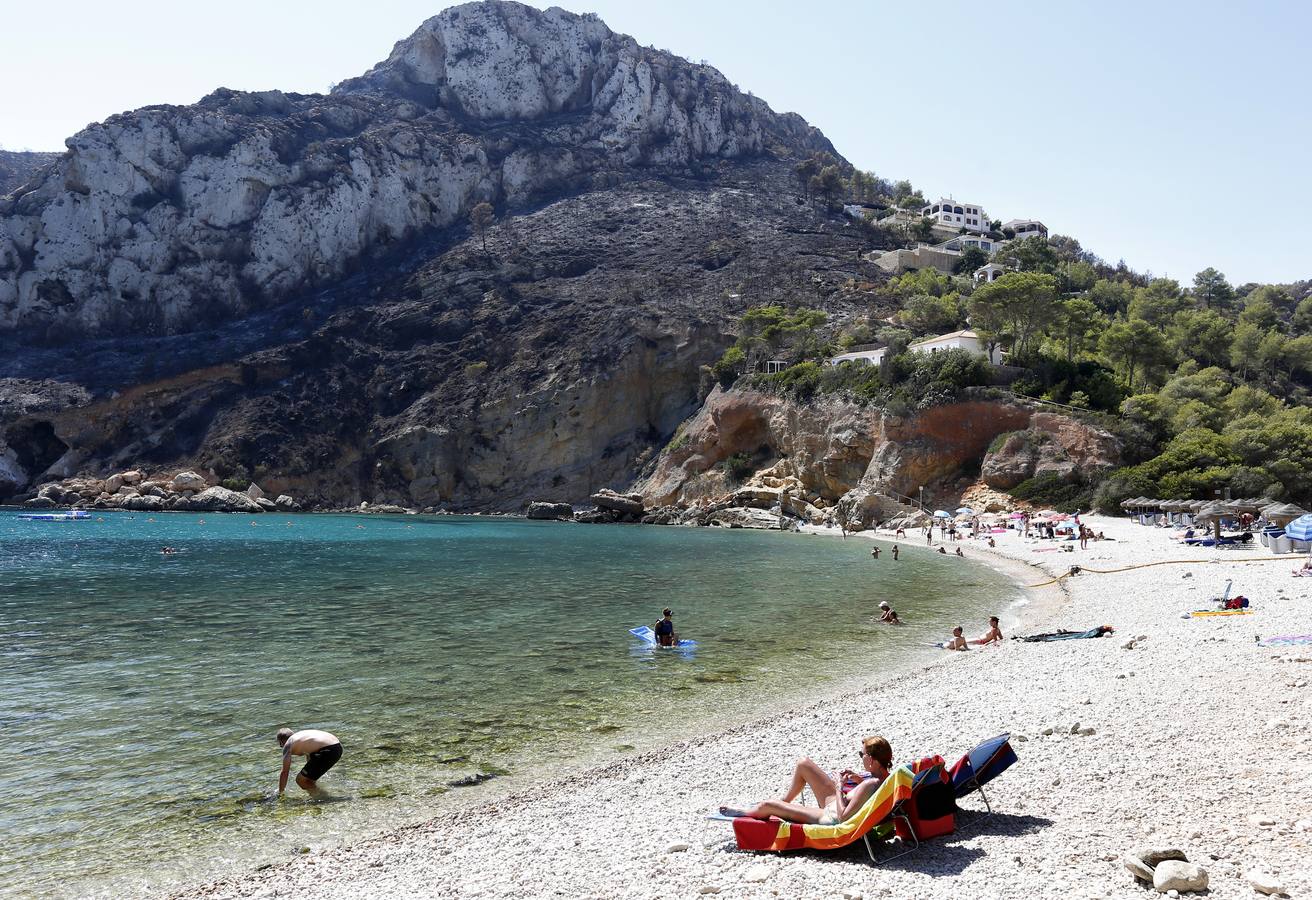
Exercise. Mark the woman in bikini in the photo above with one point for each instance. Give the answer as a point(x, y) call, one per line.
point(837, 799)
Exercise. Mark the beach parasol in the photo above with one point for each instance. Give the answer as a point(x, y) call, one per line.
point(1283, 512)
point(942, 514)
point(1213, 512)
point(1017, 515)
point(965, 511)
point(1300, 529)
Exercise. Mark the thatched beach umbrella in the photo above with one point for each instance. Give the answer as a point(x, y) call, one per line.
point(1214, 513)
point(1281, 513)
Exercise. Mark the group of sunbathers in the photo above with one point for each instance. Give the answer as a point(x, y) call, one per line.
point(959, 642)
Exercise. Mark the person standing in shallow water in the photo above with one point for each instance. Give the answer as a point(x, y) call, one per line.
point(664, 629)
point(321, 750)
point(895, 553)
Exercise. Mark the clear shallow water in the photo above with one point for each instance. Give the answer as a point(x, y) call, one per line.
point(140, 692)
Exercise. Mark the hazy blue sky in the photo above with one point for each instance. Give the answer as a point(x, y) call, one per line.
point(1173, 135)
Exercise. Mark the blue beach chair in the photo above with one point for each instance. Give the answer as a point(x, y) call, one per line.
point(981, 765)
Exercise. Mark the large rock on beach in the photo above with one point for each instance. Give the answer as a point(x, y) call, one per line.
point(220, 499)
point(187, 481)
point(545, 509)
point(144, 503)
point(1178, 875)
point(626, 504)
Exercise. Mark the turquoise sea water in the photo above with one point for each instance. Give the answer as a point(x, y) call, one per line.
point(141, 691)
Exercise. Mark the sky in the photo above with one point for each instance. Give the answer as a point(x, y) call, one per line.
point(1173, 135)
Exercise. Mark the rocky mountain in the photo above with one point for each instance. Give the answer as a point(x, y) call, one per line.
point(283, 288)
point(171, 218)
point(16, 167)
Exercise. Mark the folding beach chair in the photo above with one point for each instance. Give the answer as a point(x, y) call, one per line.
point(928, 811)
point(876, 814)
point(981, 765)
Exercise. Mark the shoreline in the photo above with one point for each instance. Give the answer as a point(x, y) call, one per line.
point(543, 781)
point(1186, 724)
point(1038, 605)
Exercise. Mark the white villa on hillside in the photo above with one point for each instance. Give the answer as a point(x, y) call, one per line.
point(1026, 228)
point(948, 213)
point(942, 256)
point(873, 354)
point(991, 272)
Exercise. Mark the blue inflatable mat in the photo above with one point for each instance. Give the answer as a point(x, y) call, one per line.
point(645, 634)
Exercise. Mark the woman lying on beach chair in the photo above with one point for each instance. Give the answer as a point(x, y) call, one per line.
point(836, 799)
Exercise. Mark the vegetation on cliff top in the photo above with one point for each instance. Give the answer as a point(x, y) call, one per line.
point(1209, 386)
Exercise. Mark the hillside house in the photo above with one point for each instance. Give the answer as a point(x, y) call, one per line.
point(873, 354)
point(1026, 228)
point(991, 272)
point(958, 340)
point(948, 213)
point(962, 241)
point(867, 354)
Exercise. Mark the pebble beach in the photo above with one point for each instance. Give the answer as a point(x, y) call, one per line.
point(1173, 733)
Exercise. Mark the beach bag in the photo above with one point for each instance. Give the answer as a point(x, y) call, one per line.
point(932, 808)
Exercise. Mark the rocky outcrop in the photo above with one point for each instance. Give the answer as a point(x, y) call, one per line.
point(833, 459)
point(169, 218)
point(624, 504)
point(135, 490)
point(1051, 445)
point(17, 167)
point(546, 509)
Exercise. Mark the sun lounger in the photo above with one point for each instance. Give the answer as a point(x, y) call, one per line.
point(981, 765)
point(877, 813)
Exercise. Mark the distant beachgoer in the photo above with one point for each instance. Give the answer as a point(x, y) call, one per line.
point(888, 614)
point(321, 750)
point(874, 551)
point(943, 550)
point(664, 629)
point(994, 633)
point(929, 536)
point(838, 798)
point(959, 553)
point(958, 642)
point(895, 553)
point(901, 532)
point(992, 543)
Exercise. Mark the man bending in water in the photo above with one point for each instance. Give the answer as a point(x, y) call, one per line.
point(838, 798)
point(321, 750)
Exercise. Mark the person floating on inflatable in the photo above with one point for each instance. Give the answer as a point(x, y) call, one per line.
point(666, 636)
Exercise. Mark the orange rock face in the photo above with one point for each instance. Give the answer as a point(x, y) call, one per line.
point(832, 446)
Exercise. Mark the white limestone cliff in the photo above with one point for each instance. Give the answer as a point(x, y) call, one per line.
point(170, 218)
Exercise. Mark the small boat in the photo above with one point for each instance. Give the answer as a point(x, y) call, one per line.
point(76, 515)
